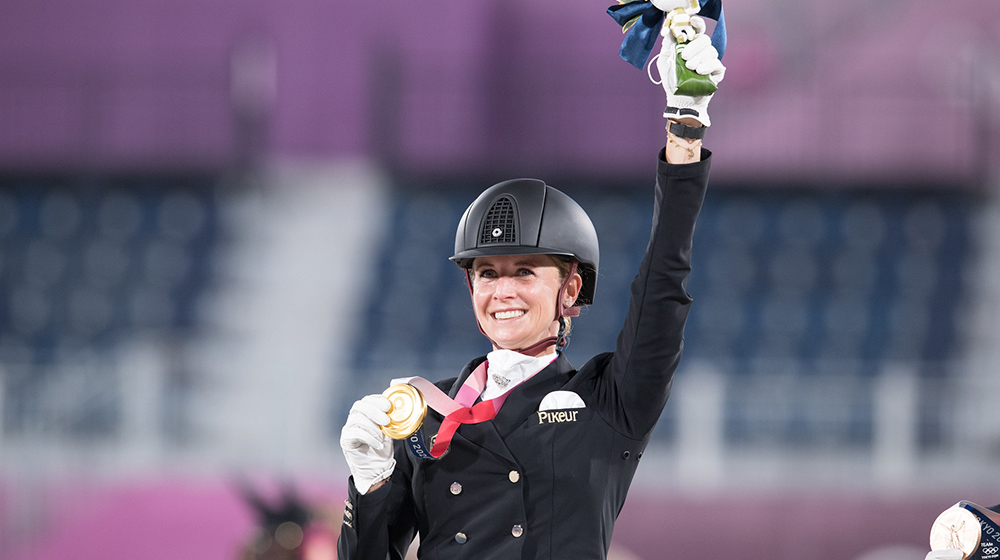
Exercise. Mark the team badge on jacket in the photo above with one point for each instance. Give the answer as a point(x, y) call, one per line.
point(559, 407)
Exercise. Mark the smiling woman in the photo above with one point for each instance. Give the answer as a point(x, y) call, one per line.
point(522, 455)
point(530, 253)
point(515, 299)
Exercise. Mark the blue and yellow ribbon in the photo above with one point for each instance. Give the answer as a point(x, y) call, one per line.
point(641, 21)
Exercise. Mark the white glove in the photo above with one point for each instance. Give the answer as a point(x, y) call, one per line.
point(946, 554)
point(367, 449)
point(701, 57)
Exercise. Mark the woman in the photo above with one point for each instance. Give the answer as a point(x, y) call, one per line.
point(547, 476)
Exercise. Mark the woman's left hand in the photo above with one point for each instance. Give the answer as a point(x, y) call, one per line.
point(367, 449)
point(699, 56)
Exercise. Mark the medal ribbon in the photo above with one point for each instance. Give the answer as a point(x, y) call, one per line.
point(460, 410)
point(988, 523)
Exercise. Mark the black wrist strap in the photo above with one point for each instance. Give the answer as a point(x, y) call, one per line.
point(684, 131)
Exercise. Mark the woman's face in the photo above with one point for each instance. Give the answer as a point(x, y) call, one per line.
point(514, 297)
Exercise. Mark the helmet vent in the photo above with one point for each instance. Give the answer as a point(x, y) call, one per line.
point(498, 225)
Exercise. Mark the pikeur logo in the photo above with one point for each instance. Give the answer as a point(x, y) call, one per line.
point(557, 417)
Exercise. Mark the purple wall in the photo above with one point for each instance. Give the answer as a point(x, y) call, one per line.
point(842, 91)
point(126, 84)
point(818, 525)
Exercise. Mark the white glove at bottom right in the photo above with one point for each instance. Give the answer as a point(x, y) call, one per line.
point(367, 449)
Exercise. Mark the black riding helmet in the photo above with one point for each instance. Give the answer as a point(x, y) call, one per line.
point(528, 217)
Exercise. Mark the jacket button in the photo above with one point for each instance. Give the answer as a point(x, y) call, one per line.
point(460, 538)
point(517, 531)
point(456, 488)
point(514, 476)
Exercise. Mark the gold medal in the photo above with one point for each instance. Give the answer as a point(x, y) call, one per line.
point(956, 527)
point(407, 412)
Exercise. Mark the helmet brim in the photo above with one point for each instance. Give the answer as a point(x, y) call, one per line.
point(464, 259)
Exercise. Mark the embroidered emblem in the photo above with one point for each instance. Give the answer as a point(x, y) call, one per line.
point(557, 417)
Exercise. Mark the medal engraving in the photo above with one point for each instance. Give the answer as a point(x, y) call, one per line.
point(957, 528)
point(407, 411)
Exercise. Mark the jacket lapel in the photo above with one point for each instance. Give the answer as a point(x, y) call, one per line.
point(483, 434)
point(523, 401)
point(466, 372)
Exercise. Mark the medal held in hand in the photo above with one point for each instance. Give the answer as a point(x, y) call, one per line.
point(410, 399)
point(407, 413)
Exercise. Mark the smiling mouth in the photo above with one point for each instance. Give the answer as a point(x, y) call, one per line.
point(501, 315)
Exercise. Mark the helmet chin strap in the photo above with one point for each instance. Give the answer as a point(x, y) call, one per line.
point(562, 311)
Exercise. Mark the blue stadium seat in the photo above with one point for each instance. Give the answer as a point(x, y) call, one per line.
point(85, 265)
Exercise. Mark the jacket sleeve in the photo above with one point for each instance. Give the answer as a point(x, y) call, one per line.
point(637, 380)
point(381, 524)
